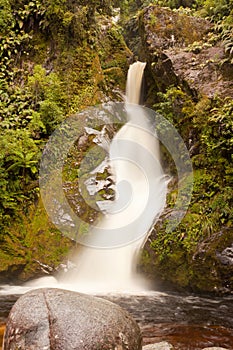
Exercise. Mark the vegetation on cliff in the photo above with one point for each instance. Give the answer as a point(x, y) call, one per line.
point(59, 57)
point(190, 256)
point(190, 87)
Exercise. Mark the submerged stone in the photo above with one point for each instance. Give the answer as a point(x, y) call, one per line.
point(56, 319)
point(215, 348)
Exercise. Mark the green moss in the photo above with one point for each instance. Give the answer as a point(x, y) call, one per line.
point(53, 56)
point(114, 53)
point(188, 256)
point(27, 241)
point(165, 23)
point(115, 77)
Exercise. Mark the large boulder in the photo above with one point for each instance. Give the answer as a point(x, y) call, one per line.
point(56, 319)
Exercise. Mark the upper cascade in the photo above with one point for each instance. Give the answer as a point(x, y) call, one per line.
point(134, 82)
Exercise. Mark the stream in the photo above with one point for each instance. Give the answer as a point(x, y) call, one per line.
point(188, 322)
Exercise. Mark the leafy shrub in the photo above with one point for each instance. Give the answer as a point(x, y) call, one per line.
point(215, 9)
point(6, 16)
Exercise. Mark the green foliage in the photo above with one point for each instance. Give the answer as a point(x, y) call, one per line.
point(19, 165)
point(21, 152)
point(215, 9)
point(209, 121)
point(217, 137)
point(6, 16)
point(173, 4)
point(207, 128)
point(221, 13)
point(62, 21)
point(225, 29)
point(52, 54)
point(49, 96)
point(28, 113)
point(11, 47)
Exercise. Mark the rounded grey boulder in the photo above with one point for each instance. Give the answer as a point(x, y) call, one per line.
point(56, 319)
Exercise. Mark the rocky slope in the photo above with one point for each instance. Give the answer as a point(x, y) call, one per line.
point(187, 71)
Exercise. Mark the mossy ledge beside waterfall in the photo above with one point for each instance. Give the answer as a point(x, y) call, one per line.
point(108, 260)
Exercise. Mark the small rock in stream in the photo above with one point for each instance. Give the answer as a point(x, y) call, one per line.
point(215, 348)
point(56, 319)
point(158, 346)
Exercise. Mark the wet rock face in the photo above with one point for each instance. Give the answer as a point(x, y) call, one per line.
point(162, 29)
point(214, 256)
point(179, 51)
point(202, 71)
point(226, 256)
point(55, 319)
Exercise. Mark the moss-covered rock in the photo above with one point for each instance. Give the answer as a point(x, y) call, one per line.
point(213, 258)
point(206, 269)
point(188, 86)
point(24, 252)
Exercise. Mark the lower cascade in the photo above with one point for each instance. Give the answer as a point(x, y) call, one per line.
point(108, 261)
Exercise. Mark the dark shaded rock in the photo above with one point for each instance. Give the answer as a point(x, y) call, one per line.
point(56, 319)
point(208, 269)
point(213, 257)
point(11, 274)
point(132, 36)
point(226, 256)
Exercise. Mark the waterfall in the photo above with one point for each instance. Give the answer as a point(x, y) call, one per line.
point(134, 82)
point(140, 198)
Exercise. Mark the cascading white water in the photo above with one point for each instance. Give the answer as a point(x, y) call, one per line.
point(141, 196)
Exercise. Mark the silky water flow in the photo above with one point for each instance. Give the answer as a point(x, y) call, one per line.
point(108, 262)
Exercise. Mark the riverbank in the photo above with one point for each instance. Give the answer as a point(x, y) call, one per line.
point(188, 322)
point(179, 336)
point(2, 328)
